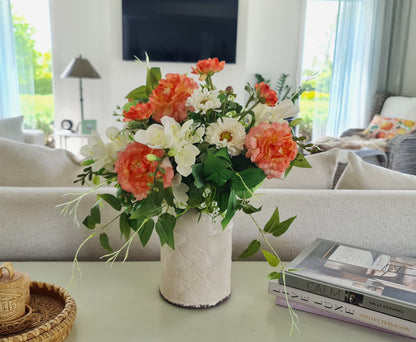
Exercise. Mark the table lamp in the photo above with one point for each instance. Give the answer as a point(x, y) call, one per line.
point(80, 68)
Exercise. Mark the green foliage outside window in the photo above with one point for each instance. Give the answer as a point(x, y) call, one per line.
point(35, 78)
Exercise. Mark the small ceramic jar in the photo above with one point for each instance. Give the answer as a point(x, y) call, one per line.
point(14, 293)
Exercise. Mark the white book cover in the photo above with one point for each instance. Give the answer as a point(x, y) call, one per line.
point(313, 303)
point(372, 279)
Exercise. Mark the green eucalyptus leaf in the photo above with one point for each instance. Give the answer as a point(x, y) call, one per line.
point(216, 169)
point(96, 180)
point(231, 209)
point(198, 173)
point(164, 228)
point(271, 258)
point(87, 162)
point(295, 122)
point(300, 161)
point(274, 220)
point(274, 275)
point(124, 225)
point(282, 227)
point(251, 179)
point(111, 200)
point(152, 78)
point(223, 153)
point(105, 242)
point(138, 93)
point(252, 249)
point(146, 232)
point(249, 209)
point(93, 218)
point(145, 210)
point(129, 104)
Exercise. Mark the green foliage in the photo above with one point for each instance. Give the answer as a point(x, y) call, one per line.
point(34, 67)
point(35, 78)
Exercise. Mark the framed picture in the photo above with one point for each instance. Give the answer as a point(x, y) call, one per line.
point(88, 126)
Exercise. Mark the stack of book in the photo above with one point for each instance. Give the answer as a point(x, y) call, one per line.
point(352, 284)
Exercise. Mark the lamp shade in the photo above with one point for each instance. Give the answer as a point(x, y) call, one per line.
point(80, 68)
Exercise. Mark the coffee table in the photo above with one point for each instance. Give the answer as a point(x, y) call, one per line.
point(122, 303)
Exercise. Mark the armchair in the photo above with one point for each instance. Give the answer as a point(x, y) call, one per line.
point(401, 149)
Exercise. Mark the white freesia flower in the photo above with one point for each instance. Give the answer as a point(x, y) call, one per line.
point(185, 157)
point(179, 192)
point(203, 100)
point(154, 137)
point(97, 150)
point(178, 139)
point(227, 132)
point(282, 110)
point(104, 154)
point(118, 142)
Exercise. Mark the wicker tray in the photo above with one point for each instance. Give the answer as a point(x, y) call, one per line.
point(54, 312)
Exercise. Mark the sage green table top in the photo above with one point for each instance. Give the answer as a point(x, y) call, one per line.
point(122, 303)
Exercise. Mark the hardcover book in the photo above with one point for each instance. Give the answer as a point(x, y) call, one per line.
point(358, 276)
point(332, 308)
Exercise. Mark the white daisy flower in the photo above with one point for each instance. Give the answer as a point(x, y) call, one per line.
point(203, 100)
point(227, 132)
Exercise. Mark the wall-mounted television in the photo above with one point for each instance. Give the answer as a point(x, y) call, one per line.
point(180, 30)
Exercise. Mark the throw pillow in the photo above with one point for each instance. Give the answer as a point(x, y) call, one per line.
point(320, 176)
point(27, 165)
point(382, 127)
point(360, 175)
point(11, 128)
point(399, 107)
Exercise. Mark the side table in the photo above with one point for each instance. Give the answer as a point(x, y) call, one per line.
point(122, 303)
point(64, 135)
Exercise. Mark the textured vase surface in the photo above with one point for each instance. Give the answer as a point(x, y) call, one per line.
point(197, 273)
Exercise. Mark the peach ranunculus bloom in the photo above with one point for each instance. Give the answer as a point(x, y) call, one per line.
point(141, 111)
point(266, 94)
point(133, 168)
point(207, 67)
point(170, 96)
point(271, 147)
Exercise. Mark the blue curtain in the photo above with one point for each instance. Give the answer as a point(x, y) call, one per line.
point(357, 50)
point(9, 85)
point(366, 42)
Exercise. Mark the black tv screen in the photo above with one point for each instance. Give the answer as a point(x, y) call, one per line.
point(180, 30)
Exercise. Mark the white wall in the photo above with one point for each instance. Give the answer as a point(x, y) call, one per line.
point(268, 43)
point(409, 79)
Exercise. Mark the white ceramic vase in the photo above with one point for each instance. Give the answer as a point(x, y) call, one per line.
point(197, 273)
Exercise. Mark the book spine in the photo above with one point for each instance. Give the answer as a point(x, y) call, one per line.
point(332, 308)
point(370, 302)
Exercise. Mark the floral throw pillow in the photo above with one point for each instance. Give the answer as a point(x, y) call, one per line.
point(382, 127)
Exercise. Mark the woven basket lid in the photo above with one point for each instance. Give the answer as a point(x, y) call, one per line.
point(9, 278)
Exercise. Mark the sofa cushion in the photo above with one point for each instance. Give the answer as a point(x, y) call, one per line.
point(399, 107)
point(320, 176)
point(26, 165)
point(360, 175)
point(11, 128)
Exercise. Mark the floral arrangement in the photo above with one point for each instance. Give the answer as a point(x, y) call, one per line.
point(188, 145)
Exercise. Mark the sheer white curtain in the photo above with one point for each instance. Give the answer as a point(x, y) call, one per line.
point(9, 86)
point(371, 37)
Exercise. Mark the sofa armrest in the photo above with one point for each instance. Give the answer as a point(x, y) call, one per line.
point(352, 131)
point(34, 136)
point(402, 153)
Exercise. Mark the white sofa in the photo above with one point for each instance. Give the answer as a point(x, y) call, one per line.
point(370, 207)
point(11, 128)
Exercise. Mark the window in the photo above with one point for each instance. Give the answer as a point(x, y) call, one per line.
point(34, 63)
point(317, 60)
